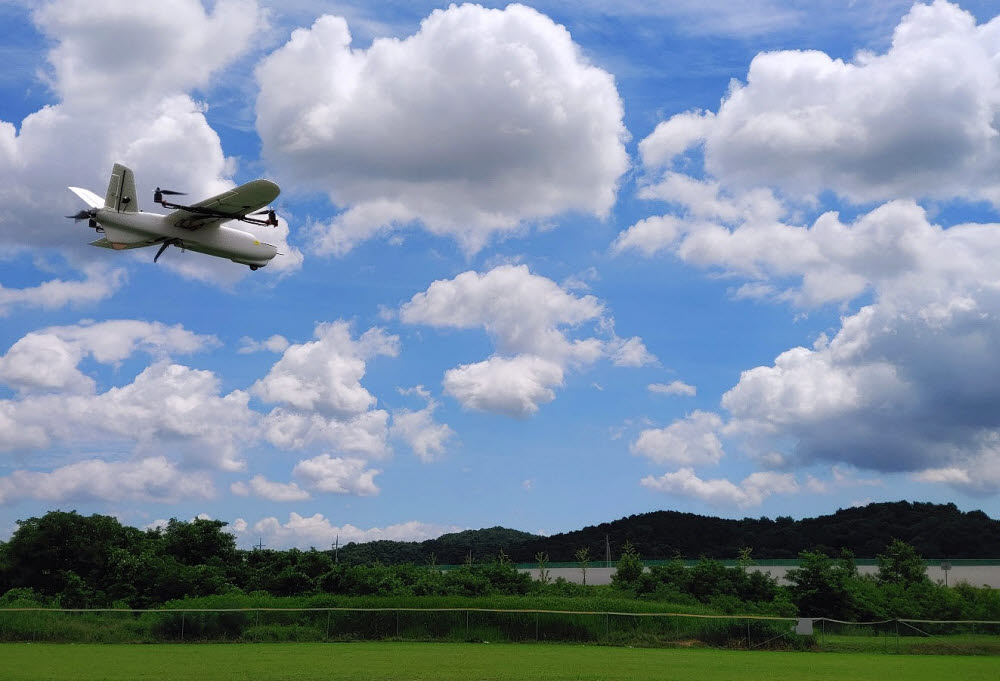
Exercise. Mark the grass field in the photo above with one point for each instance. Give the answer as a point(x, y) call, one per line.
point(464, 662)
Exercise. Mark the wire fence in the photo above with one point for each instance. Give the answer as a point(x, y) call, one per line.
point(495, 625)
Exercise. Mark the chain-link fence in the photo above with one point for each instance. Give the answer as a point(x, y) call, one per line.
point(477, 624)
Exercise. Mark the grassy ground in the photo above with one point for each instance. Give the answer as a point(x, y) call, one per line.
point(462, 662)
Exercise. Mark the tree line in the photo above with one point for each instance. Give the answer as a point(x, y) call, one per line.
point(64, 559)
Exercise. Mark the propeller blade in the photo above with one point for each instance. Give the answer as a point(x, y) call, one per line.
point(170, 192)
point(82, 215)
point(262, 212)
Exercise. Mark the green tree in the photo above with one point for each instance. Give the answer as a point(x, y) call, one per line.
point(629, 568)
point(199, 542)
point(900, 564)
point(543, 562)
point(819, 586)
point(583, 558)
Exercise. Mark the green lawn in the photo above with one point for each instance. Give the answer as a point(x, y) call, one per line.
point(464, 662)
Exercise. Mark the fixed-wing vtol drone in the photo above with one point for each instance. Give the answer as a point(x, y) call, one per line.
point(197, 227)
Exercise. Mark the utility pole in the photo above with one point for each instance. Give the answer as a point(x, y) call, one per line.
point(607, 550)
point(260, 544)
point(336, 550)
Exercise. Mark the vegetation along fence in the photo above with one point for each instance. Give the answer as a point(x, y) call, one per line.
point(494, 625)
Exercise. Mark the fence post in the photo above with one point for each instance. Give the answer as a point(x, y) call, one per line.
point(897, 636)
point(327, 624)
point(536, 626)
point(182, 625)
point(749, 646)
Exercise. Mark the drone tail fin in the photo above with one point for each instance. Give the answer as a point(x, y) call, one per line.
point(121, 191)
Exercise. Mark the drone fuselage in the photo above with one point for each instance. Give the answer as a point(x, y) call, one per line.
point(133, 230)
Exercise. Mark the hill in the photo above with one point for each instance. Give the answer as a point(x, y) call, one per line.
point(935, 530)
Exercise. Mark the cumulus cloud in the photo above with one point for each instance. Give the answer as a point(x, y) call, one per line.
point(166, 405)
point(99, 283)
point(274, 343)
point(47, 359)
point(514, 386)
point(751, 491)
point(418, 429)
point(155, 126)
point(691, 440)
point(673, 388)
point(480, 122)
point(338, 475)
point(259, 486)
point(318, 388)
point(918, 120)
point(317, 530)
point(529, 318)
point(155, 479)
point(324, 375)
point(903, 385)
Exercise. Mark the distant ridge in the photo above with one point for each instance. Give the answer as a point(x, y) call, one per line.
point(936, 530)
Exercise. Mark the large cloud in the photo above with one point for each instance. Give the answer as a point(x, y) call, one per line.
point(154, 479)
point(317, 386)
point(47, 359)
point(907, 383)
point(919, 120)
point(529, 317)
point(481, 121)
point(121, 75)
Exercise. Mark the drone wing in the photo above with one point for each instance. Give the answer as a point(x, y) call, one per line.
point(231, 205)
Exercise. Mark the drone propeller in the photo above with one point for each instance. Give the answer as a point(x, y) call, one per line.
point(272, 218)
point(89, 215)
point(160, 193)
point(83, 215)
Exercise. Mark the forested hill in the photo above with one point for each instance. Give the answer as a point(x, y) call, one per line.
point(448, 549)
point(935, 530)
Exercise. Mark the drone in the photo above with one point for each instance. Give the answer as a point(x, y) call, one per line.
point(198, 227)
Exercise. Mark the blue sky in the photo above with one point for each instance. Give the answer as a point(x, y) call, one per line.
point(543, 266)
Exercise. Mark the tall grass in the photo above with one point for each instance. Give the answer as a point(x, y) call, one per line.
point(262, 617)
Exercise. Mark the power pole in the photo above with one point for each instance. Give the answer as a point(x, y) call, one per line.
point(607, 550)
point(336, 550)
point(260, 544)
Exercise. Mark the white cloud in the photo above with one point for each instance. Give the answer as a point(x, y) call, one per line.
point(99, 283)
point(325, 375)
point(530, 319)
point(259, 486)
point(480, 122)
point(631, 352)
point(47, 359)
point(338, 475)
point(673, 388)
point(153, 480)
point(166, 406)
point(691, 440)
point(752, 491)
point(317, 530)
point(513, 386)
point(522, 312)
point(319, 387)
point(275, 343)
point(364, 434)
point(918, 120)
point(427, 438)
